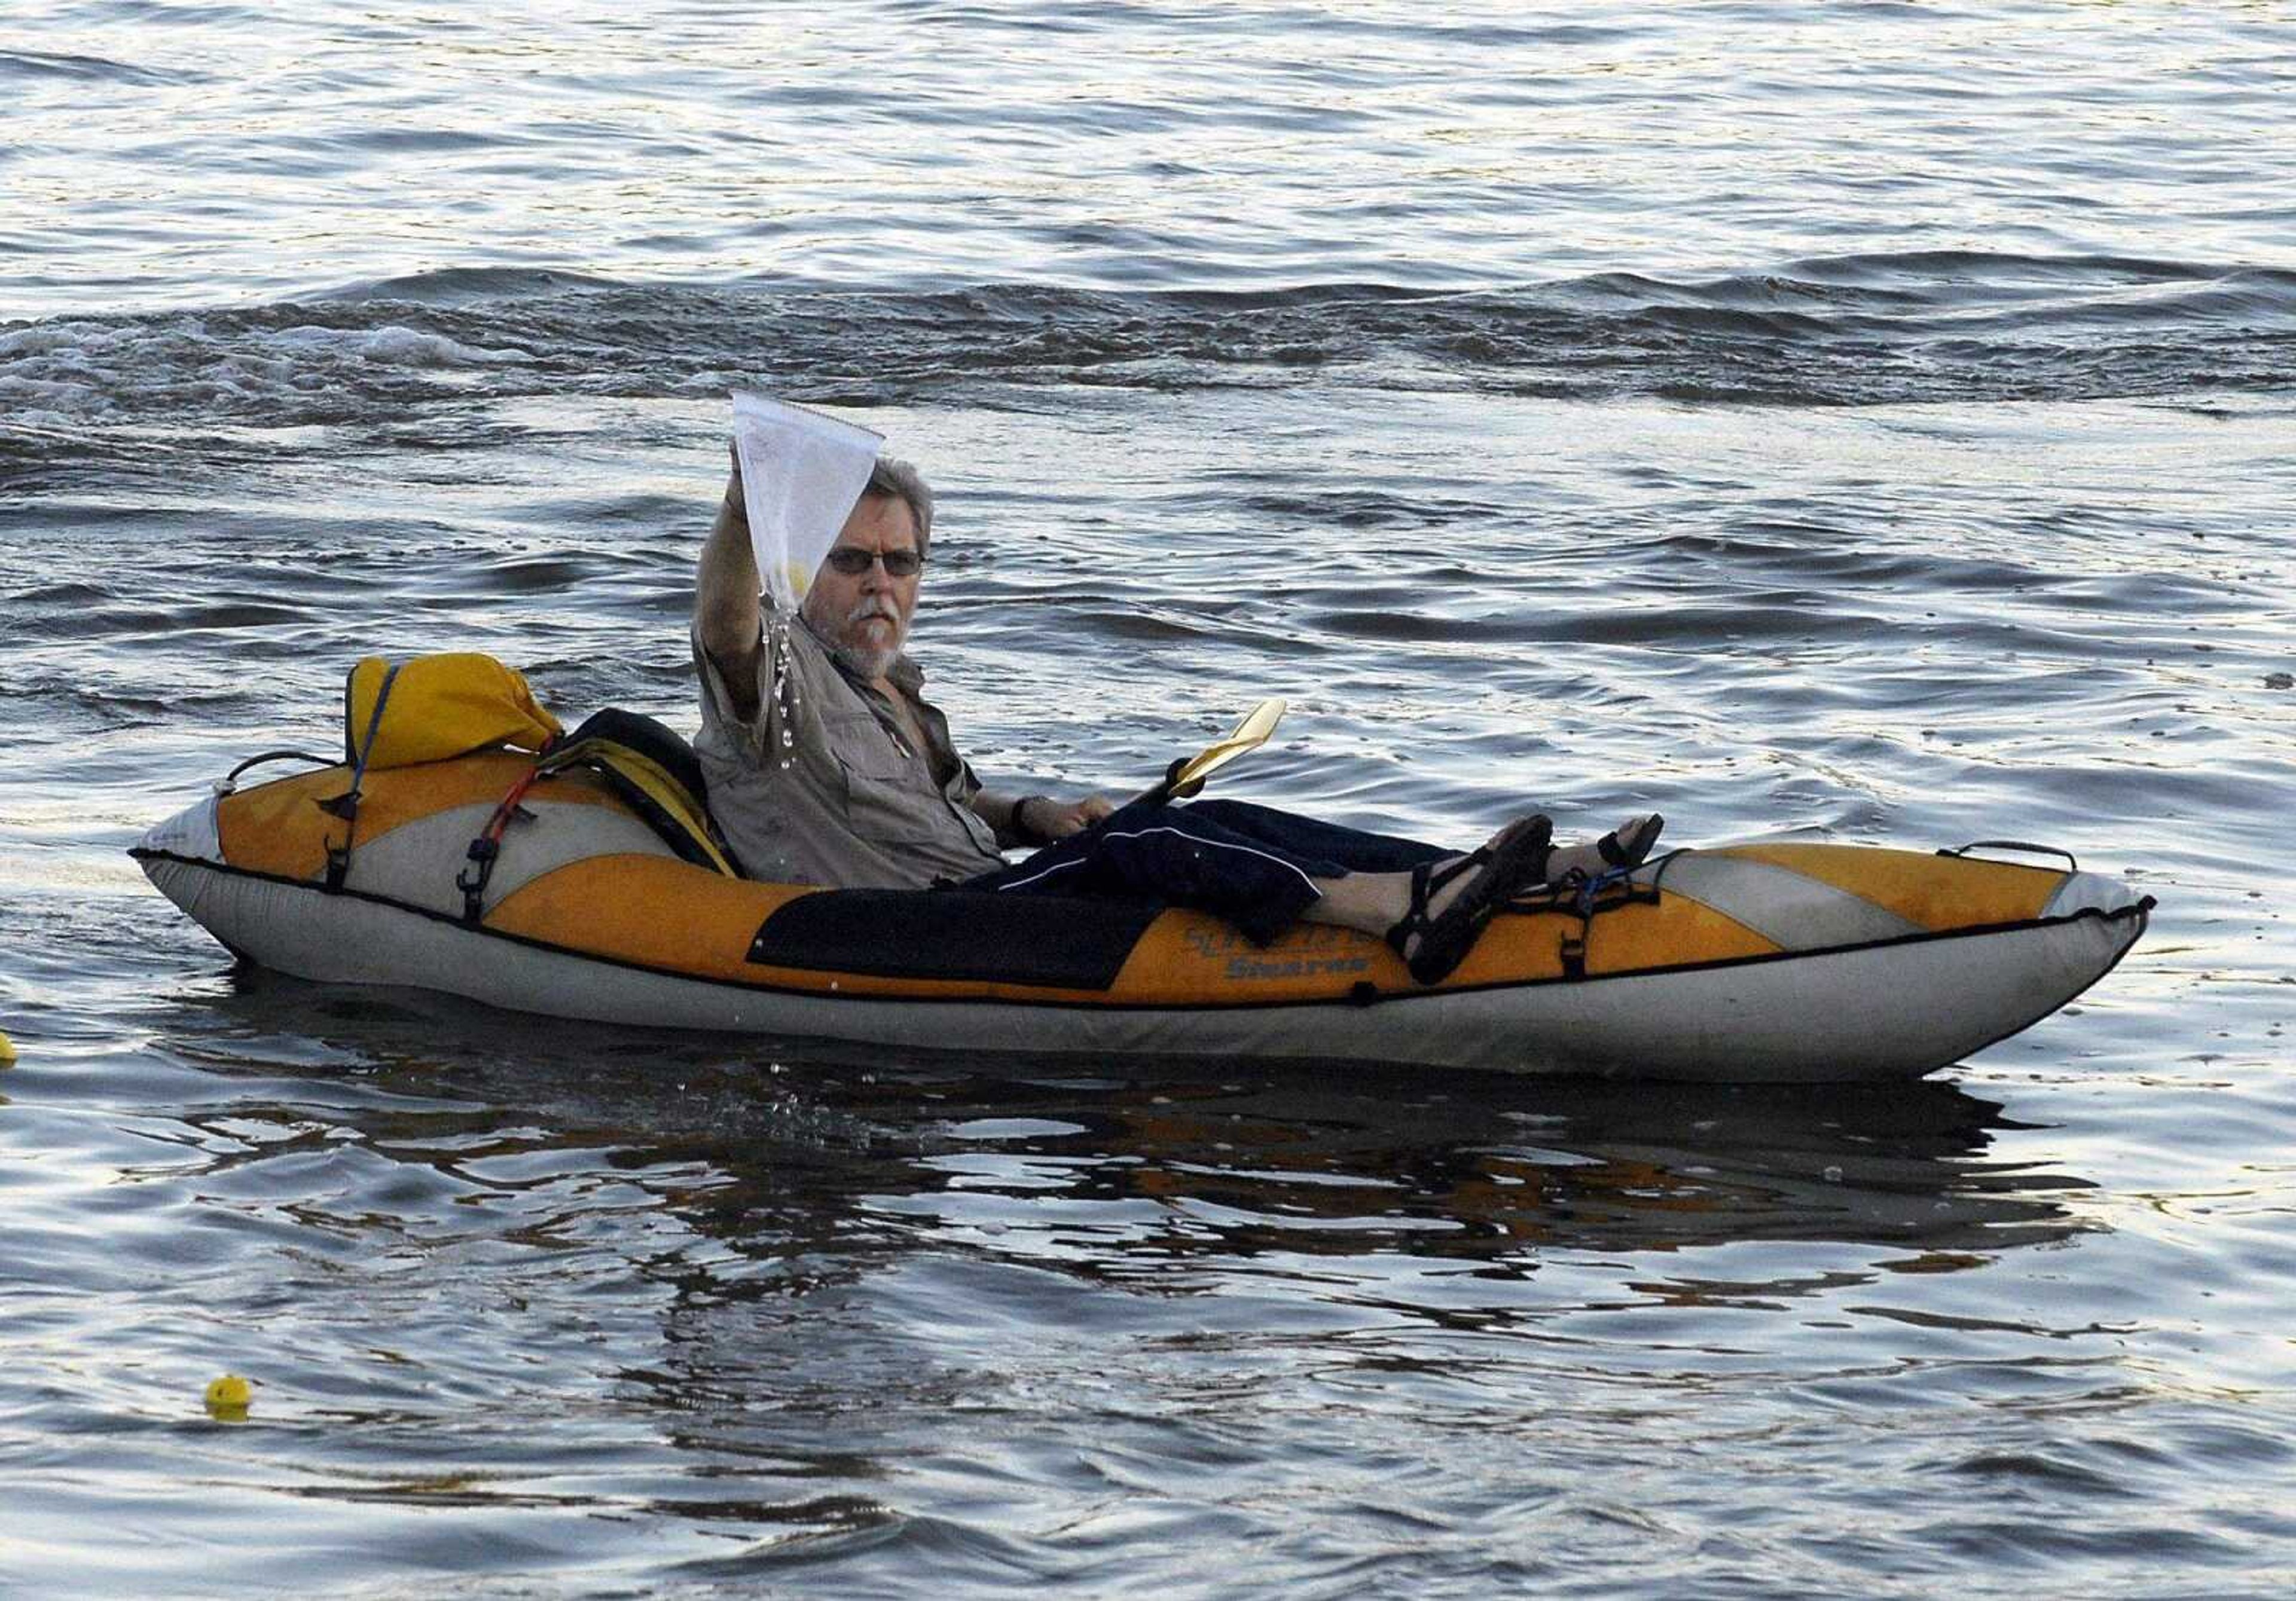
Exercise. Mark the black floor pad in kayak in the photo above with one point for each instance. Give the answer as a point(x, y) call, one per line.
point(1061, 941)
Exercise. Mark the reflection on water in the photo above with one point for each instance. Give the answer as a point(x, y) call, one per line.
point(707, 1312)
point(1161, 1174)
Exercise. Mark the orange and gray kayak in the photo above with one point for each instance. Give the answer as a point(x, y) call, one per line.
point(1760, 962)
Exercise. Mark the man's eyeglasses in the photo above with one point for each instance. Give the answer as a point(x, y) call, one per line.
point(852, 560)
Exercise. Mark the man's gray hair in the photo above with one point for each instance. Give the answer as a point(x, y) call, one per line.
point(894, 478)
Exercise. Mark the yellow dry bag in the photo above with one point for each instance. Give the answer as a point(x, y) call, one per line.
point(431, 708)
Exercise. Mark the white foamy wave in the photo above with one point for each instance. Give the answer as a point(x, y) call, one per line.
point(84, 369)
point(399, 347)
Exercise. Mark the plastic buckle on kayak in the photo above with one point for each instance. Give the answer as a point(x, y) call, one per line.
point(471, 881)
point(1574, 956)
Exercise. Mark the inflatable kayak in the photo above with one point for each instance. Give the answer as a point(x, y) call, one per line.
point(557, 892)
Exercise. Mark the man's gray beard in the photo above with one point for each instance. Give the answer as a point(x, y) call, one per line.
point(860, 659)
point(866, 663)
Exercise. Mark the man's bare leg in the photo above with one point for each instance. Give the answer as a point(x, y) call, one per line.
point(1375, 902)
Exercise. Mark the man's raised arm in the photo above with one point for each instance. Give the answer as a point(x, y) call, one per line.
point(725, 601)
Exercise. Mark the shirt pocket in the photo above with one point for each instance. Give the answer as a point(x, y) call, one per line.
point(883, 800)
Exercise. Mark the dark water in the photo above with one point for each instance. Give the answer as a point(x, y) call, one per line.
point(1873, 419)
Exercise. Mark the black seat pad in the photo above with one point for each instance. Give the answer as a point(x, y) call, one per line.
point(1059, 941)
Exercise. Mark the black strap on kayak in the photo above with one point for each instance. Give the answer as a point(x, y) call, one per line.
point(1586, 896)
point(2029, 849)
point(229, 783)
point(346, 805)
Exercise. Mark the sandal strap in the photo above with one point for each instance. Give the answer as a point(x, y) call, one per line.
point(1415, 921)
point(1444, 941)
point(1429, 879)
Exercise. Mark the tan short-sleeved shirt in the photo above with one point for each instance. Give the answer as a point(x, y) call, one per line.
point(822, 786)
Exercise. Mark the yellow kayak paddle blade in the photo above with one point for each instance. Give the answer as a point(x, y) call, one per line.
point(1188, 776)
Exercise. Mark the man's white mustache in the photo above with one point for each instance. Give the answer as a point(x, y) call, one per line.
point(873, 608)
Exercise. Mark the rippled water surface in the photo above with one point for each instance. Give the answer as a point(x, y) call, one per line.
point(1871, 420)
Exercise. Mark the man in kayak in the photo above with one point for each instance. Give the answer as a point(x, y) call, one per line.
point(826, 765)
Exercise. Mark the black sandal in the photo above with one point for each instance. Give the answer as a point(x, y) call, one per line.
point(1515, 861)
point(1632, 851)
